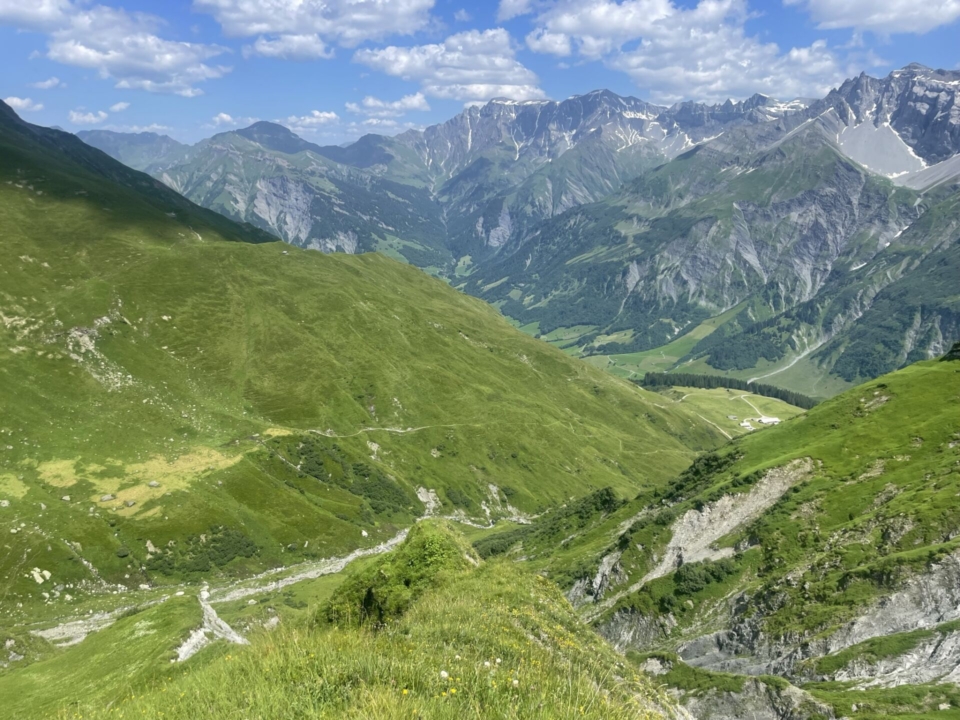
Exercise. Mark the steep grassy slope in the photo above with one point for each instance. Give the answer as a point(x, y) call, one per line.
point(134, 652)
point(175, 406)
point(30, 147)
point(874, 504)
point(773, 554)
point(482, 642)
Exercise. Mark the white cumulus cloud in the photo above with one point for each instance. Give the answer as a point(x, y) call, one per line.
point(882, 16)
point(347, 22)
point(35, 14)
point(119, 107)
point(544, 41)
point(509, 9)
point(23, 104)
point(377, 108)
point(119, 45)
point(124, 47)
point(290, 47)
point(78, 117)
point(472, 66)
point(48, 84)
point(312, 122)
point(224, 120)
point(675, 53)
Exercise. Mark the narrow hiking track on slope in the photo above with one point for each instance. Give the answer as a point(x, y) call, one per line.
point(755, 408)
point(793, 362)
point(405, 431)
point(395, 431)
point(727, 435)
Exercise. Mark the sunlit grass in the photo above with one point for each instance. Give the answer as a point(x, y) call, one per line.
point(494, 643)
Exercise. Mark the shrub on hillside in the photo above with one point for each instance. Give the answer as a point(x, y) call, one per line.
point(431, 556)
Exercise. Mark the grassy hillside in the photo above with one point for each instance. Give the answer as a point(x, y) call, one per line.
point(876, 504)
point(772, 554)
point(177, 407)
point(483, 641)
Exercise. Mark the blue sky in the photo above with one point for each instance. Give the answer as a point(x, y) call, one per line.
point(335, 69)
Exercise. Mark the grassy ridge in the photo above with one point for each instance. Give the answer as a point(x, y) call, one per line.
point(880, 506)
point(487, 641)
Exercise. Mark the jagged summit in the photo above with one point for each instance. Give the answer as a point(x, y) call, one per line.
point(899, 124)
point(921, 70)
point(510, 101)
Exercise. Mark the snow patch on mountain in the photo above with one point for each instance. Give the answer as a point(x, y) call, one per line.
point(879, 149)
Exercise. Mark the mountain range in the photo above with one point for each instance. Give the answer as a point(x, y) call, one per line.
point(247, 479)
point(430, 197)
point(761, 239)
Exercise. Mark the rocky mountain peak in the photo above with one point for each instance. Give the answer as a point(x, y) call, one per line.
point(543, 130)
point(274, 136)
point(917, 103)
point(757, 108)
point(920, 70)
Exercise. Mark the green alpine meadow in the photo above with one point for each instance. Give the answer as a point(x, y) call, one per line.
point(192, 408)
point(348, 372)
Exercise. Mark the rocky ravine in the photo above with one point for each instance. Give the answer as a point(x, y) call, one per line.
point(756, 699)
point(730, 637)
point(694, 538)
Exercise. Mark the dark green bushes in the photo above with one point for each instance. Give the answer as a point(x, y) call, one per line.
point(709, 382)
point(431, 556)
point(201, 553)
point(691, 579)
point(326, 462)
